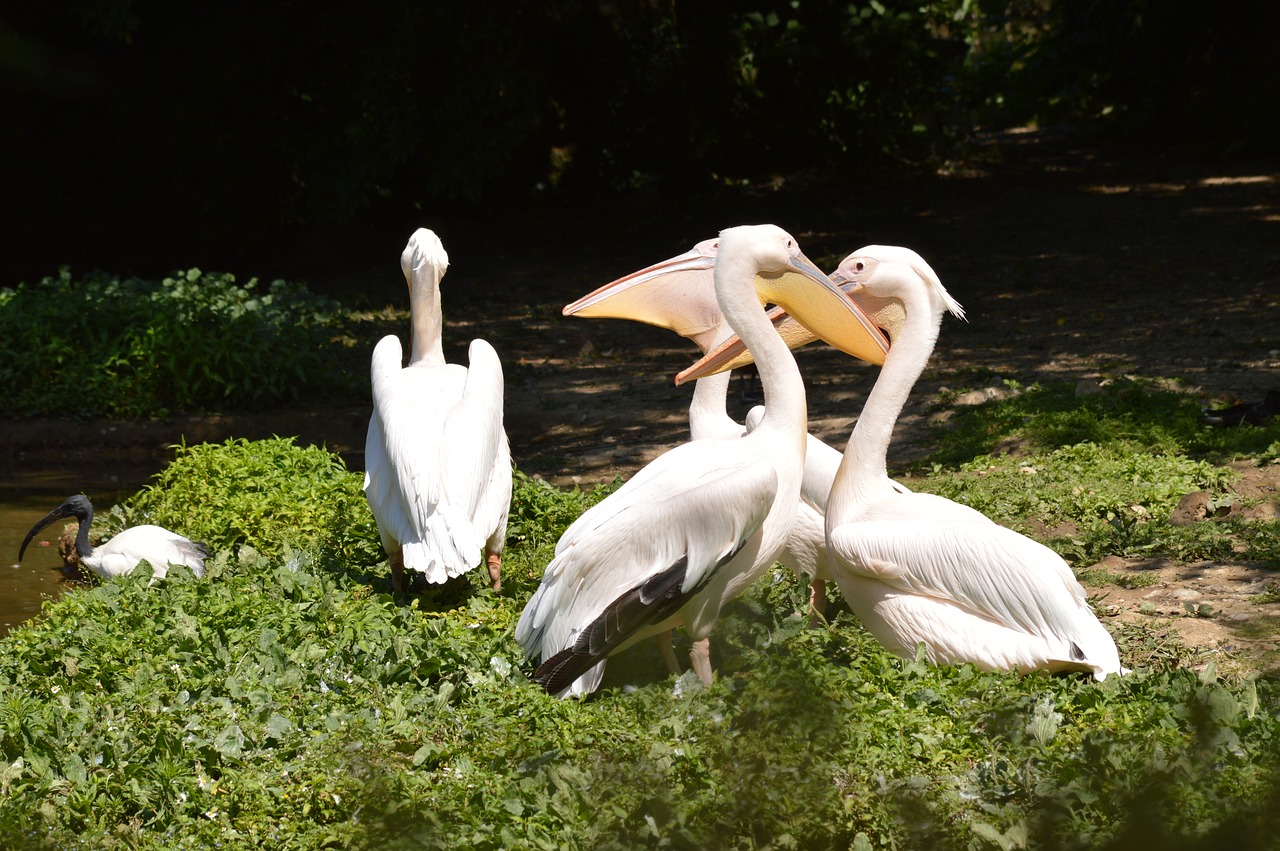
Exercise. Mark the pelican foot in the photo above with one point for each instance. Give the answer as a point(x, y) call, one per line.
point(397, 574)
point(495, 571)
point(668, 652)
point(700, 658)
point(817, 603)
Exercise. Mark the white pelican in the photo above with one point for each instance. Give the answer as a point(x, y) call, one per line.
point(918, 568)
point(680, 296)
point(120, 555)
point(437, 461)
point(701, 522)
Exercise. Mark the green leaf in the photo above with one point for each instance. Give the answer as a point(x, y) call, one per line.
point(230, 741)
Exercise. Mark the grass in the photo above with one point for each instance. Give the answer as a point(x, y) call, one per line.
point(1270, 594)
point(1124, 415)
point(290, 701)
point(1106, 468)
point(1102, 576)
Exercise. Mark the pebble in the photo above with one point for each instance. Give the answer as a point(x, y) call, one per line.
point(977, 397)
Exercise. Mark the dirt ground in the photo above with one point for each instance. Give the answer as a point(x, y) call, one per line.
point(1073, 263)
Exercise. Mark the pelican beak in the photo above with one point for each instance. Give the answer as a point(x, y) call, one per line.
point(57, 514)
point(809, 306)
point(677, 294)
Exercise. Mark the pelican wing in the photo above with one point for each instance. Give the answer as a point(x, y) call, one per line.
point(476, 464)
point(982, 567)
point(630, 564)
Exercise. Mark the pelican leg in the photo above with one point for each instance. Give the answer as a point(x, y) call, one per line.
point(495, 571)
point(817, 602)
point(397, 572)
point(668, 652)
point(700, 658)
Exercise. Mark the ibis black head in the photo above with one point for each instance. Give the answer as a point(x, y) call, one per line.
point(77, 506)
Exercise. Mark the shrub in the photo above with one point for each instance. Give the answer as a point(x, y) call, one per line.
point(126, 348)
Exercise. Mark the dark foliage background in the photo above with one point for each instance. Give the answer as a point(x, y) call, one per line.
point(141, 136)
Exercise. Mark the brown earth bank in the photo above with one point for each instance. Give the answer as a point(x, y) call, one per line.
point(1073, 262)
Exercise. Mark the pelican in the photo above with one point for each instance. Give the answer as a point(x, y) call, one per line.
point(679, 294)
point(437, 461)
point(120, 555)
point(921, 569)
point(701, 522)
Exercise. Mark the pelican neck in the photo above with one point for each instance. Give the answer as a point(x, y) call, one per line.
point(424, 313)
point(779, 376)
point(708, 410)
point(864, 467)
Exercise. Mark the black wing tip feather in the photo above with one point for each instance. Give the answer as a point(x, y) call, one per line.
point(653, 601)
point(650, 602)
point(558, 672)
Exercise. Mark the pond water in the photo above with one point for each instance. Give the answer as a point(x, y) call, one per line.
point(25, 497)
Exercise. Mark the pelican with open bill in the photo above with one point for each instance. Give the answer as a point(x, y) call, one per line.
point(700, 523)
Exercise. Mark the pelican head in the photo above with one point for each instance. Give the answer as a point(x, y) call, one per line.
point(821, 310)
point(874, 276)
point(679, 294)
point(423, 257)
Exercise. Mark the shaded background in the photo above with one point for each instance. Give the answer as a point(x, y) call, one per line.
point(285, 139)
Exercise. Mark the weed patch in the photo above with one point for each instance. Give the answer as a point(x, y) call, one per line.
point(125, 348)
point(1124, 415)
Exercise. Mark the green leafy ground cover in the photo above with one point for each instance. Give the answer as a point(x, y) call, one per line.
point(102, 346)
point(290, 701)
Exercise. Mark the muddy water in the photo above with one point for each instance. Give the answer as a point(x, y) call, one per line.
point(25, 497)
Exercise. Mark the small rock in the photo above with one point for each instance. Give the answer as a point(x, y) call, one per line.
point(1241, 617)
point(1112, 562)
point(1190, 509)
point(1186, 594)
point(1087, 387)
point(1262, 511)
point(977, 397)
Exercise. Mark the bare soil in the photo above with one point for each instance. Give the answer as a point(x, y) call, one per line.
point(1073, 262)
